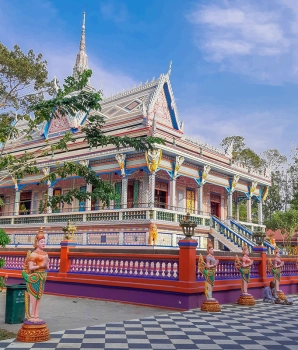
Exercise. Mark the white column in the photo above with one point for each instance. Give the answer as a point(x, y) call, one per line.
point(237, 210)
point(230, 205)
point(151, 192)
point(248, 208)
point(200, 200)
point(121, 238)
point(88, 201)
point(260, 213)
point(124, 193)
point(50, 194)
point(17, 202)
point(173, 204)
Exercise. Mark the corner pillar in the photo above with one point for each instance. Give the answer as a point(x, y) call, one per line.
point(88, 201)
point(17, 197)
point(124, 193)
point(151, 192)
point(50, 194)
point(230, 205)
point(200, 200)
point(248, 208)
point(260, 213)
point(173, 194)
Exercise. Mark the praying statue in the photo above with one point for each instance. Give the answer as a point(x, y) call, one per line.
point(244, 268)
point(208, 270)
point(276, 270)
point(35, 274)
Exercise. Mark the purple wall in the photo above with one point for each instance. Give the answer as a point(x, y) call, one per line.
point(148, 297)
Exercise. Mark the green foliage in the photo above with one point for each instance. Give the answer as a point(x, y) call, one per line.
point(286, 222)
point(4, 238)
point(274, 201)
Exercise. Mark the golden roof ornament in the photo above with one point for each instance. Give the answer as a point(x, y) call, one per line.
point(69, 231)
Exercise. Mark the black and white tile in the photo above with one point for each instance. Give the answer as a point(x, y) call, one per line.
point(264, 326)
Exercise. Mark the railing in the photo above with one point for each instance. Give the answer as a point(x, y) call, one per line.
point(226, 269)
point(105, 215)
point(125, 266)
point(16, 262)
point(230, 234)
point(247, 233)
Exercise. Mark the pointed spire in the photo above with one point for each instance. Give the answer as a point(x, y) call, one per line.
point(170, 69)
point(82, 59)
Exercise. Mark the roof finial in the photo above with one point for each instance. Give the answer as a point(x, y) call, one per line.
point(170, 69)
point(82, 59)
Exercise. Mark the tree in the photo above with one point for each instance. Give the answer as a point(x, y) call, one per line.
point(4, 240)
point(22, 115)
point(273, 158)
point(274, 201)
point(287, 223)
point(241, 153)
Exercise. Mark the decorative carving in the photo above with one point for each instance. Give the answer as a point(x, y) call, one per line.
point(234, 183)
point(210, 306)
point(153, 159)
point(85, 162)
point(265, 193)
point(205, 173)
point(121, 161)
point(15, 181)
point(275, 268)
point(229, 149)
point(179, 161)
point(246, 300)
point(253, 188)
point(46, 172)
point(33, 332)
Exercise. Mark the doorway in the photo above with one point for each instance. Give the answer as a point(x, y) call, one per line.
point(161, 195)
point(190, 201)
point(215, 200)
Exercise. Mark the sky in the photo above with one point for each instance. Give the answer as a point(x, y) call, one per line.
point(235, 63)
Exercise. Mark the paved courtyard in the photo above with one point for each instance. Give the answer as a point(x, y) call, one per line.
point(264, 326)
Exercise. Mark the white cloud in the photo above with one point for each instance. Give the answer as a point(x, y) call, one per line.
point(211, 125)
point(251, 38)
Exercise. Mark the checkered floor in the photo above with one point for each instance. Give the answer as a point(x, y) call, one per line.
point(264, 326)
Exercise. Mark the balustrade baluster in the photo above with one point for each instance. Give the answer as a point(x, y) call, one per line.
point(125, 267)
point(112, 266)
point(107, 265)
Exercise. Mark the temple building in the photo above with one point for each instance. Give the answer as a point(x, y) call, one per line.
point(161, 186)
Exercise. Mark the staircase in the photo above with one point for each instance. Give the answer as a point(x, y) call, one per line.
point(232, 234)
point(225, 241)
point(244, 231)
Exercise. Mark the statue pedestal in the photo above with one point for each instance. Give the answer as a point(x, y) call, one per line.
point(281, 295)
point(211, 306)
point(246, 300)
point(33, 332)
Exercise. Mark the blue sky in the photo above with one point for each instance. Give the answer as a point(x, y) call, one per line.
point(235, 63)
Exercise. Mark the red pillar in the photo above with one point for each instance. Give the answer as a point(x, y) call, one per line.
point(263, 263)
point(187, 260)
point(64, 260)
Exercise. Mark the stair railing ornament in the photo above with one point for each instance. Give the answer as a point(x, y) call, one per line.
point(69, 231)
point(188, 226)
point(259, 237)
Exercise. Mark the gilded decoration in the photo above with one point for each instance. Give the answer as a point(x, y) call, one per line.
point(234, 182)
point(205, 173)
point(179, 162)
point(121, 162)
point(153, 234)
point(253, 188)
point(153, 159)
point(265, 194)
point(190, 201)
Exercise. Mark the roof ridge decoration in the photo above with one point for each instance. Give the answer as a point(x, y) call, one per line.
point(204, 145)
point(163, 83)
point(129, 91)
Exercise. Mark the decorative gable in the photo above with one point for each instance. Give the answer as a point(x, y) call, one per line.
point(161, 110)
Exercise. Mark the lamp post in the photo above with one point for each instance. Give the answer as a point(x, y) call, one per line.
point(188, 226)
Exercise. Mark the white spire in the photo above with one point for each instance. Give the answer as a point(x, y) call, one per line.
point(82, 59)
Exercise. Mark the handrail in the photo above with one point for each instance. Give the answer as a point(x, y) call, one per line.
point(237, 223)
point(219, 221)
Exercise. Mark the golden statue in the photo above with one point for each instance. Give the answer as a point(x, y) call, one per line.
point(153, 234)
point(179, 161)
point(153, 159)
point(121, 162)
